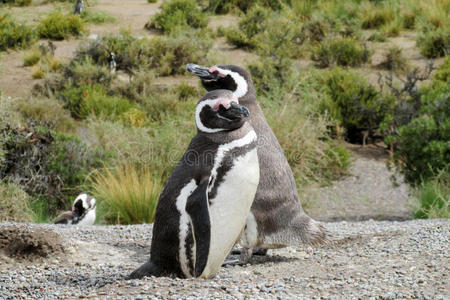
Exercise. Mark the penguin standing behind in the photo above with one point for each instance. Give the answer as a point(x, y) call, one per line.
point(79, 7)
point(277, 218)
point(203, 208)
point(83, 212)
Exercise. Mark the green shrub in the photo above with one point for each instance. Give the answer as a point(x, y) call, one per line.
point(14, 35)
point(18, 2)
point(226, 6)
point(377, 37)
point(342, 52)
point(433, 197)
point(374, 17)
point(434, 43)
point(152, 1)
point(253, 23)
point(86, 99)
point(166, 55)
point(14, 204)
point(58, 26)
point(353, 102)
point(394, 60)
point(178, 13)
point(391, 29)
point(443, 72)
point(97, 17)
point(46, 112)
point(32, 57)
point(270, 75)
point(423, 147)
point(409, 20)
point(46, 164)
point(126, 195)
point(38, 73)
point(84, 72)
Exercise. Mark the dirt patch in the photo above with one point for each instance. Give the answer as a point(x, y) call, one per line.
point(24, 243)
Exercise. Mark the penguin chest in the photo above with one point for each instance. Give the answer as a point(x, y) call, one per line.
point(231, 192)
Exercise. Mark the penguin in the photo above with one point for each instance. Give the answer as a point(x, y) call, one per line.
point(276, 219)
point(83, 212)
point(79, 7)
point(112, 63)
point(202, 210)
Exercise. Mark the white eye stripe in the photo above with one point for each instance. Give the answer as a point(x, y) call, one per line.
point(242, 86)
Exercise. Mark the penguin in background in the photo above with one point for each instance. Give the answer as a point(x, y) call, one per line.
point(203, 207)
point(79, 7)
point(83, 212)
point(276, 219)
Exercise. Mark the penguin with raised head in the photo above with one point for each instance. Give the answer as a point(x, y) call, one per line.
point(277, 218)
point(79, 7)
point(203, 208)
point(83, 212)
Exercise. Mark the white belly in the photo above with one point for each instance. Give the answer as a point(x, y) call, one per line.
point(229, 209)
point(89, 218)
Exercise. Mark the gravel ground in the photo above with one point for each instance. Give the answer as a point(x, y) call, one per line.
point(369, 259)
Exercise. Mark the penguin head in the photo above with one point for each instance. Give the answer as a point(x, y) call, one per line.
point(228, 77)
point(81, 205)
point(219, 110)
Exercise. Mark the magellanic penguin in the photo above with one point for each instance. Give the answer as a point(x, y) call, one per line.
point(277, 218)
point(203, 208)
point(83, 212)
point(79, 7)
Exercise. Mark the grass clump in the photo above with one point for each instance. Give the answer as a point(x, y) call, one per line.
point(377, 37)
point(38, 73)
point(376, 16)
point(433, 197)
point(97, 17)
point(32, 57)
point(341, 52)
point(14, 35)
point(126, 195)
point(58, 26)
point(352, 102)
point(394, 60)
point(434, 43)
point(178, 13)
point(18, 2)
point(14, 204)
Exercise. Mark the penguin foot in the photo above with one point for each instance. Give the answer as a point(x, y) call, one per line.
point(147, 269)
point(256, 251)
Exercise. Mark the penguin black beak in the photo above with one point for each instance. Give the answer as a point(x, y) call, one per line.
point(202, 72)
point(234, 112)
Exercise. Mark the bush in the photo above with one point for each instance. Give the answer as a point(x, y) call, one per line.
point(178, 13)
point(46, 164)
point(14, 35)
point(354, 103)
point(38, 73)
point(84, 72)
point(97, 17)
point(59, 27)
point(393, 60)
point(434, 43)
point(342, 52)
point(433, 197)
point(32, 57)
point(423, 146)
point(226, 6)
point(85, 100)
point(391, 29)
point(126, 195)
point(14, 204)
point(46, 112)
point(443, 73)
point(270, 76)
point(18, 2)
point(166, 55)
point(377, 37)
point(374, 17)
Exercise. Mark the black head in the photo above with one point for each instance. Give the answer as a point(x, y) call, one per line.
point(228, 77)
point(219, 110)
point(81, 205)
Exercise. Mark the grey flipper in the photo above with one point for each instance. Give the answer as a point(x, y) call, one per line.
point(197, 209)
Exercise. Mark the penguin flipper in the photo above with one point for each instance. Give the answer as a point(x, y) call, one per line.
point(147, 269)
point(197, 209)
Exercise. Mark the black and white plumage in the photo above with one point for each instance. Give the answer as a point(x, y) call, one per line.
point(203, 208)
point(277, 218)
point(79, 7)
point(112, 62)
point(83, 212)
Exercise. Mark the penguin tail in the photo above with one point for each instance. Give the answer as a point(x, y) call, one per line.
point(315, 234)
point(148, 269)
